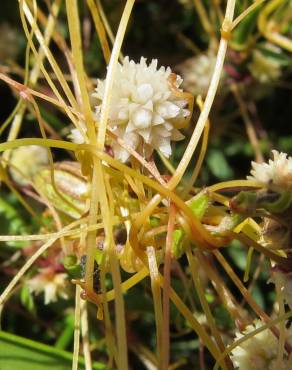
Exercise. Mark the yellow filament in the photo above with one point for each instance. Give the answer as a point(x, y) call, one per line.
point(156, 293)
point(100, 30)
point(77, 321)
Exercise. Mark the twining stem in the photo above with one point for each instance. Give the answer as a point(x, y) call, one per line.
point(194, 267)
point(76, 328)
point(223, 292)
point(257, 309)
point(267, 29)
point(107, 209)
point(105, 107)
point(99, 194)
point(282, 325)
point(156, 292)
point(74, 31)
point(182, 308)
point(105, 22)
point(251, 133)
point(246, 12)
point(75, 37)
point(24, 10)
point(188, 154)
point(31, 261)
point(166, 287)
point(34, 74)
point(209, 98)
point(200, 160)
point(85, 336)
point(204, 19)
point(100, 30)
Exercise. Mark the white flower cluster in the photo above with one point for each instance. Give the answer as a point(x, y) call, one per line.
point(258, 352)
point(51, 283)
point(146, 109)
point(277, 173)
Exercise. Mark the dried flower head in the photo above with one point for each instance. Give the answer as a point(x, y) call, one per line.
point(26, 161)
point(146, 108)
point(276, 174)
point(52, 283)
point(258, 352)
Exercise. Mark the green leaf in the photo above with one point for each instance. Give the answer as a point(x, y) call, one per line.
point(11, 221)
point(223, 317)
point(177, 243)
point(238, 254)
point(66, 337)
point(258, 296)
point(26, 299)
point(24, 354)
point(218, 165)
point(154, 221)
point(245, 27)
point(198, 205)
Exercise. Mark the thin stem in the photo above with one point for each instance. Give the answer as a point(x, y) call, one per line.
point(246, 337)
point(29, 263)
point(85, 336)
point(156, 292)
point(74, 30)
point(194, 267)
point(100, 30)
point(209, 99)
point(166, 287)
point(105, 108)
point(251, 133)
point(76, 328)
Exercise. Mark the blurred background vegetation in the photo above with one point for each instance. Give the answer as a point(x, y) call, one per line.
point(172, 32)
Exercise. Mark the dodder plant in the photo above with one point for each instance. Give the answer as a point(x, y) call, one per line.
point(115, 210)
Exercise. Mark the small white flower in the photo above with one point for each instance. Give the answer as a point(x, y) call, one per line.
point(276, 173)
point(145, 110)
point(51, 283)
point(26, 161)
point(257, 352)
point(76, 136)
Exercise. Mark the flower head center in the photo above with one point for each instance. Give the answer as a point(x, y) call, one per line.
point(142, 118)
